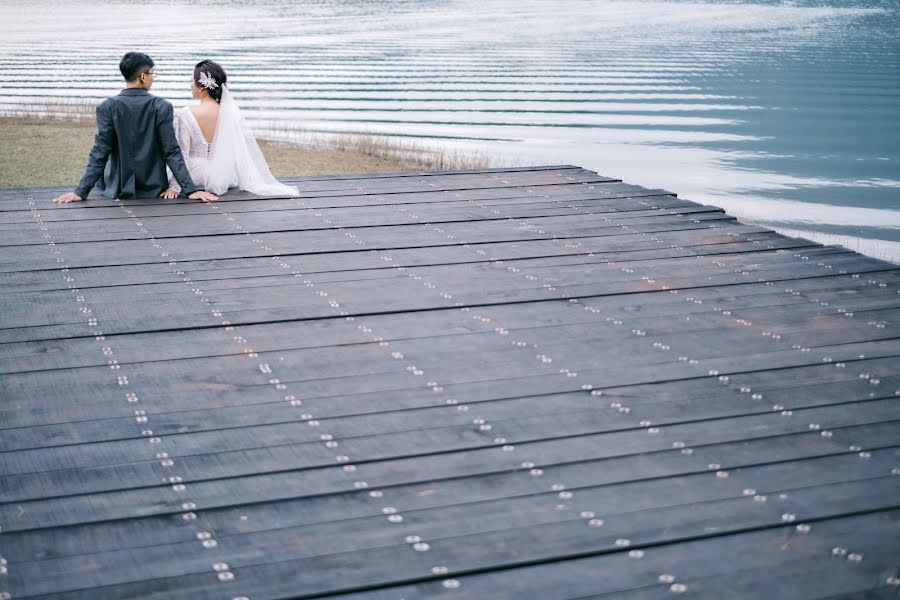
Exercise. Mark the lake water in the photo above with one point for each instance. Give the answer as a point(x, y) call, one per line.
point(784, 113)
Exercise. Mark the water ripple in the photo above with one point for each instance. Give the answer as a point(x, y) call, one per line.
point(784, 113)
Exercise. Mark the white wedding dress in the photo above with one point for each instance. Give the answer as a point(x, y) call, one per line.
point(233, 159)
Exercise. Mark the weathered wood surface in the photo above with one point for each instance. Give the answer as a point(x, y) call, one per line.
point(512, 383)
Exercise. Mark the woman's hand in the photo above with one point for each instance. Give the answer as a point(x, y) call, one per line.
point(169, 193)
point(205, 196)
point(70, 197)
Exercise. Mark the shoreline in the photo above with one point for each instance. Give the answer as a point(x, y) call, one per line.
point(53, 151)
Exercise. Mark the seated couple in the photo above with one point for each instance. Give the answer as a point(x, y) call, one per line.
point(206, 146)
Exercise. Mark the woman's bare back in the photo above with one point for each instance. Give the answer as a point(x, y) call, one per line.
point(207, 115)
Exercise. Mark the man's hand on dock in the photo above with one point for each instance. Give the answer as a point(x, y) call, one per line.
point(70, 197)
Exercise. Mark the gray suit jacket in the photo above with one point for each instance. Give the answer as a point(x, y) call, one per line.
point(135, 141)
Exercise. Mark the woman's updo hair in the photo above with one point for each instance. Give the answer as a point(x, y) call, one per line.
point(213, 71)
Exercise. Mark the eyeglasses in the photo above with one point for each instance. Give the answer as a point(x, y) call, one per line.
point(154, 74)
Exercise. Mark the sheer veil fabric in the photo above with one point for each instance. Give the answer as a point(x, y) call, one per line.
point(235, 158)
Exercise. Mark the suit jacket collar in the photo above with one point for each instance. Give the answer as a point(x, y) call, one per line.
point(134, 92)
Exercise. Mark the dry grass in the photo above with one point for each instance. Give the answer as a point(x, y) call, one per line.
point(48, 145)
point(69, 111)
point(424, 158)
point(286, 160)
point(43, 152)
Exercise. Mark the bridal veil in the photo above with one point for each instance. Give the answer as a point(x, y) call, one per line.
point(236, 160)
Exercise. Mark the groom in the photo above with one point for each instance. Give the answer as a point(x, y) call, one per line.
point(136, 138)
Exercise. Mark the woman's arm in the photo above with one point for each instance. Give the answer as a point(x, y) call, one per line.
point(183, 136)
point(171, 148)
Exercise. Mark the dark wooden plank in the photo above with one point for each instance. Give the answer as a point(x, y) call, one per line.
point(367, 267)
point(71, 277)
point(780, 563)
point(497, 198)
point(708, 244)
point(615, 197)
point(360, 419)
point(417, 340)
point(650, 503)
point(688, 399)
point(414, 473)
point(295, 299)
point(682, 274)
point(303, 219)
point(239, 245)
point(526, 248)
point(27, 474)
point(458, 322)
point(79, 352)
point(315, 570)
point(532, 254)
point(161, 388)
point(467, 494)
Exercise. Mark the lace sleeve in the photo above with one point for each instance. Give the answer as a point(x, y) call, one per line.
point(183, 135)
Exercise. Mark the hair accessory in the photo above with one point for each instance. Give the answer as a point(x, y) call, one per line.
point(206, 81)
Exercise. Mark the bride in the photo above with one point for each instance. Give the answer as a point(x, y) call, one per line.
point(219, 150)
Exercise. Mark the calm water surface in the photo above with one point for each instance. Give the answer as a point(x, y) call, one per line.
point(784, 113)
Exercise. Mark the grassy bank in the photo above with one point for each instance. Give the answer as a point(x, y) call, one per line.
point(52, 151)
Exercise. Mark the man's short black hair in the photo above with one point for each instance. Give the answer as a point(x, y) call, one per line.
point(133, 64)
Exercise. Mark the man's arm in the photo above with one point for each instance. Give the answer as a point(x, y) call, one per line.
point(171, 149)
point(103, 143)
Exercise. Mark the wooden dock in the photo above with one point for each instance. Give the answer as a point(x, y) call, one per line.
point(513, 383)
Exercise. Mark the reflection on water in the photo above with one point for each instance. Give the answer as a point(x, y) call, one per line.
point(784, 113)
